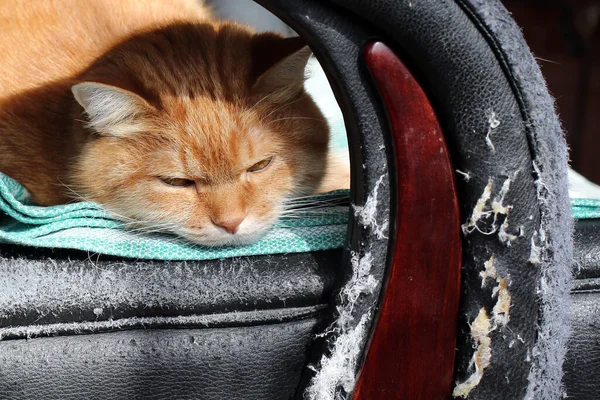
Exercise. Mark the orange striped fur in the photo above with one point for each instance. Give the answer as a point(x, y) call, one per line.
point(159, 113)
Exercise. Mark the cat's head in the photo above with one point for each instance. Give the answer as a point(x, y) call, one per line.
point(202, 131)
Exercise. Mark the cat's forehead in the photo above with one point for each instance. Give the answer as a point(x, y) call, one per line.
point(217, 143)
point(215, 126)
point(197, 114)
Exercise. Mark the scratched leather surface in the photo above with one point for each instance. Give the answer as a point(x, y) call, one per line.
point(587, 249)
point(239, 328)
point(258, 363)
point(69, 286)
point(463, 77)
point(583, 356)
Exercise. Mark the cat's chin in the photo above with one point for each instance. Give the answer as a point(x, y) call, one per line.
point(221, 239)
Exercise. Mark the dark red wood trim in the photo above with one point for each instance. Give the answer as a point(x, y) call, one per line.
point(412, 347)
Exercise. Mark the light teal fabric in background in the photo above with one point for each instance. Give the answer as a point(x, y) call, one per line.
point(585, 208)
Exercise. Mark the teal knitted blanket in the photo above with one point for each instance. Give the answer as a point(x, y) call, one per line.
point(85, 226)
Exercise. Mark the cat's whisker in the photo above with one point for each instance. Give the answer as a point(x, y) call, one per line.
point(312, 205)
point(154, 228)
point(304, 199)
point(300, 197)
point(304, 215)
point(280, 108)
point(76, 196)
point(315, 208)
point(147, 229)
point(268, 96)
point(294, 118)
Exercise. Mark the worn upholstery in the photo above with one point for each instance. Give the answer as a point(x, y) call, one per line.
point(253, 320)
point(583, 356)
point(78, 326)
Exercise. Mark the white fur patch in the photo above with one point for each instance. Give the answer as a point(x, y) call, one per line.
point(111, 111)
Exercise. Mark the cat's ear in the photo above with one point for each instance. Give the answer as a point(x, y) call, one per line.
point(279, 63)
point(111, 111)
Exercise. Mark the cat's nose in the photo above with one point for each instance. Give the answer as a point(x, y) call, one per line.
point(229, 223)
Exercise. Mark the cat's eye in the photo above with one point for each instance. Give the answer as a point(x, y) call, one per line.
point(261, 165)
point(177, 182)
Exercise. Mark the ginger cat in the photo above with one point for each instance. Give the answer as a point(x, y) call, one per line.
point(167, 118)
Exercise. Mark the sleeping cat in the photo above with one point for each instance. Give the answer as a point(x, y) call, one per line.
point(168, 119)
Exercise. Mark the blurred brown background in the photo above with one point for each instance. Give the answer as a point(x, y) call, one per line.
point(565, 37)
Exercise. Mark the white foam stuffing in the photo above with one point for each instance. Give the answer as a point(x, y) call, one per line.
point(493, 124)
point(501, 310)
point(362, 281)
point(500, 313)
point(367, 214)
point(480, 329)
point(535, 253)
point(483, 325)
point(504, 236)
point(496, 208)
point(497, 205)
point(335, 373)
point(478, 210)
point(338, 369)
point(539, 183)
point(466, 176)
point(488, 272)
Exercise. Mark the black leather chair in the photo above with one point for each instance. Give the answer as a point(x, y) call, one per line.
point(304, 326)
